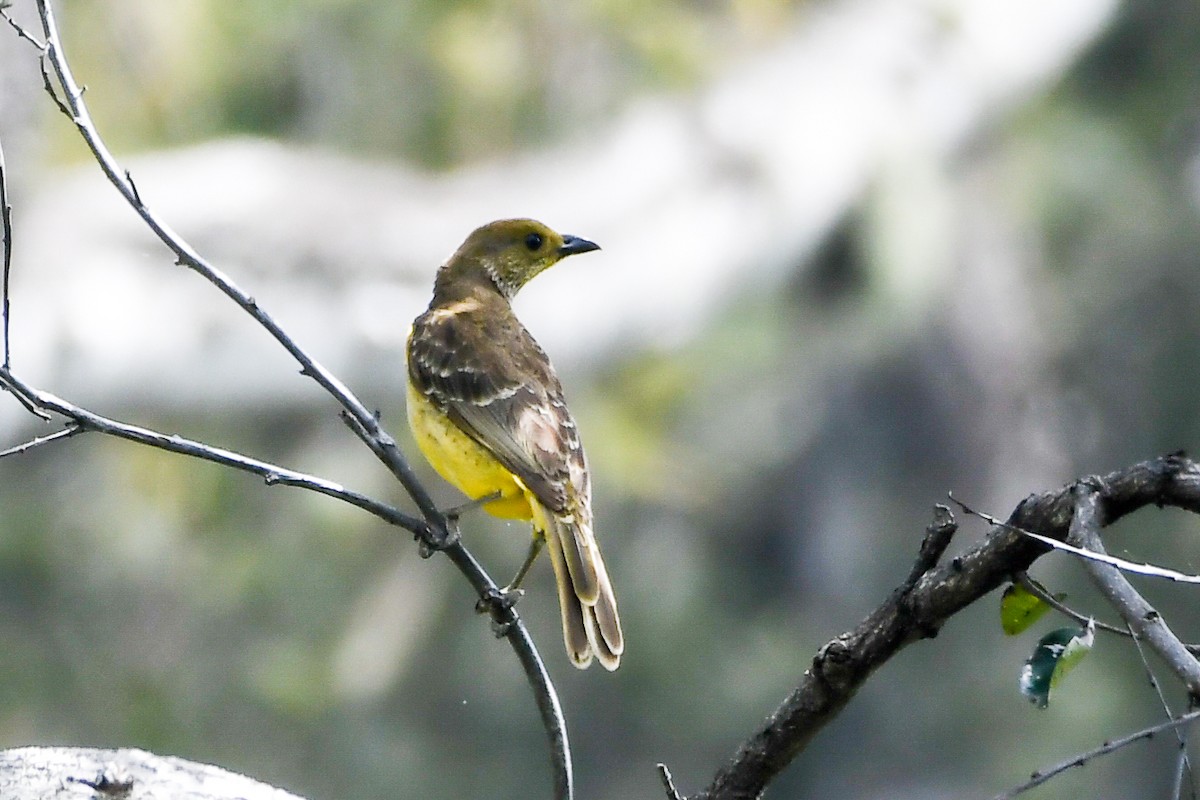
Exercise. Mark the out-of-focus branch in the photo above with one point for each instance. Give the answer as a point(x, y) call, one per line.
point(1111, 746)
point(72, 429)
point(918, 611)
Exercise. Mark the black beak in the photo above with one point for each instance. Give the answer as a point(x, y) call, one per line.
point(573, 244)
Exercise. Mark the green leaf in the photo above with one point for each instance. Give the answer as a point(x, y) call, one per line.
point(1055, 655)
point(1020, 608)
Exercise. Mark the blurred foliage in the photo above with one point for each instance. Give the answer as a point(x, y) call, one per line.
point(762, 486)
point(438, 82)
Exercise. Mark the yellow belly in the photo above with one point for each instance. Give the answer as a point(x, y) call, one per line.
point(463, 462)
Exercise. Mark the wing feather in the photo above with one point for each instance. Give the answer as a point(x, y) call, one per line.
point(495, 382)
point(482, 368)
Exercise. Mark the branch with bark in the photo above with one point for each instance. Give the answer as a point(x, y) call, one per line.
point(436, 530)
point(934, 590)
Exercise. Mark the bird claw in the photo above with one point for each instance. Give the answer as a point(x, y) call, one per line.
point(498, 603)
point(431, 540)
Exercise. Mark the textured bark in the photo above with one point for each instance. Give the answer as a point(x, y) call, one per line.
point(920, 607)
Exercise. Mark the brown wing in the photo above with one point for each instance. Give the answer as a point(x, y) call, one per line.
point(494, 381)
point(496, 384)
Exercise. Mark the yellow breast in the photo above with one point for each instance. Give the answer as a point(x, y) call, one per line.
point(463, 462)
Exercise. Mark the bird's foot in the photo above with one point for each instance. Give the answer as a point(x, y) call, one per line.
point(433, 540)
point(498, 604)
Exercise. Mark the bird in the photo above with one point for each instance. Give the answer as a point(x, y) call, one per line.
point(487, 411)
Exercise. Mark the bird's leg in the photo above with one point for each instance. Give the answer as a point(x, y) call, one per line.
point(457, 511)
point(499, 602)
point(432, 542)
point(535, 547)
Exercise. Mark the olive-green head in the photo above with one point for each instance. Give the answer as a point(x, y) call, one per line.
point(510, 252)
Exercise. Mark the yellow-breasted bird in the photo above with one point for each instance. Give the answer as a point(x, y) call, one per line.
point(488, 412)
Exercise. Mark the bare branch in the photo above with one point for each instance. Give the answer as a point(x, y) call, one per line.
point(16, 26)
point(6, 243)
point(1147, 623)
point(377, 439)
point(668, 782)
point(910, 614)
point(433, 530)
point(1031, 586)
point(66, 433)
point(1041, 776)
point(1090, 555)
point(84, 420)
point(938, 534)
point(1185, 765)
point(48, 87)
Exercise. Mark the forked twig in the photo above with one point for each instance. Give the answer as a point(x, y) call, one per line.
point(433, 528)
point(72, 429)
point(83, 420)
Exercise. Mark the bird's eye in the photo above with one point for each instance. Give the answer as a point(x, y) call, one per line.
point(533, 241)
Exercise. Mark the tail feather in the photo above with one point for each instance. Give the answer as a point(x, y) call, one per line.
point(580, 551)
point(574, 614)
point(605, 613)
point(591, 625)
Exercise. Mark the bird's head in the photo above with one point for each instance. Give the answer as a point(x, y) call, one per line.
point(511, 252)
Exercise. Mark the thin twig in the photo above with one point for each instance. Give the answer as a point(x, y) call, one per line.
point(6, 234)
point(380, 442)
point(1031, 586)
point(365, 424)
point(1149, 570)
point(84, 420)
point(1043, 775)
point(1183, 764)
point(66, 433)
point(20, 29)
point(48, 86)
point(1181, 736)
point(668, 782)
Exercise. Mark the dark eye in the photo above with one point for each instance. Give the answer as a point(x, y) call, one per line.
point(533, 241)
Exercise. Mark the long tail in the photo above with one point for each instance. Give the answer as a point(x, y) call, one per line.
point(590, 622)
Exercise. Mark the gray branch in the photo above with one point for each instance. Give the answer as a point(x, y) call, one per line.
point(1146, 623)
point(918, 611)
point(435, 531)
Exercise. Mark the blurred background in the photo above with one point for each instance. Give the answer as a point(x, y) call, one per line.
point(857, 254)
